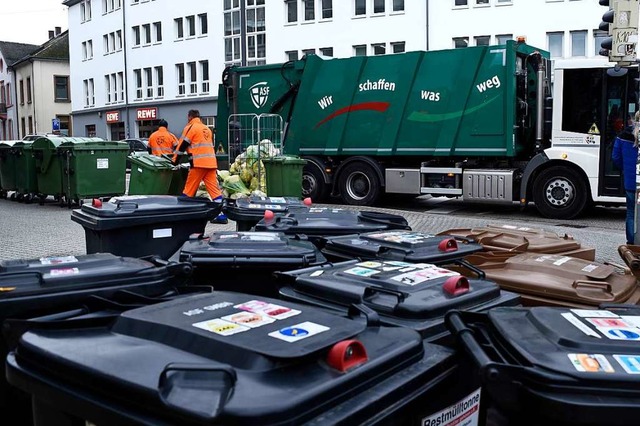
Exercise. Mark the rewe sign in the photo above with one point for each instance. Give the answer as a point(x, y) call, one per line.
point(147, 113)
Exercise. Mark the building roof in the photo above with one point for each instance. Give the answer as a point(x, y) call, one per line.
point(55, 49)
point(12, 52)
point(70, 2)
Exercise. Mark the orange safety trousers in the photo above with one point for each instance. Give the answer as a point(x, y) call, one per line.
point(197, 175)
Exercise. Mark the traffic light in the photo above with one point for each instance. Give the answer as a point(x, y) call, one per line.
point(607, 25)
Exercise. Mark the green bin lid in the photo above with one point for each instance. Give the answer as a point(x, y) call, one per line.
point(150, 161)
point(92, 144)
point(7, 144)
point(288, 159)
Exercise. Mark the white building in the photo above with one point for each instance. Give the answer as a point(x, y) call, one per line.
point(135, 61)
point(42, 88)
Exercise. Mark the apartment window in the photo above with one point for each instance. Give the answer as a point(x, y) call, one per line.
point(90, 130)
point(148, 83)
point(292, 10)
point(308, 52)
point(118, 40)
point(121, 85)
point(598, 38)
point(482, 40)
point(30, 125)
point(105, 42)
point(28, 90)
point(9, 101)
point(482, 2)
point(137, 76)
point(108, 88)
point(460, 3)
point(378, 6)
point(460, 42)
point(191, 25)
point(85, 11)
point(327, 9)
point(232, 53)
point(204, 72)
point(136, 36)
point(398, 5)
point(159, 82)
point(114, 87)
point(578, 43)
point(503, 1)
point(360, 50)
point(179, 25)
point(292, 55)
point(146, 28)
point(181, 79)
point(309, 10)
point(398, 47)
point(193, 78)
point(87, 50)
point(21, 92)
point(104, 6)
point(65, 124)
point(203, 23)
point(23, 125)
point(361, 7)
point(379, 48)
point(89, 95)
point(326, 51)
point(555, 43)
point(256, 34)
point(157, 31)
point(210, 122)
point(503, 38)
point(61, 91)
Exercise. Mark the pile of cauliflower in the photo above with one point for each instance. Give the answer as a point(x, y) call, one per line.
point(246, 175)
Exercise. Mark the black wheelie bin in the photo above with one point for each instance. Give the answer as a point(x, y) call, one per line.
point(406, 246)
point(143, 225)
point(245, 261)
point(248, 211)
point(554, 366)
point(39, 287)
point(230, 359)
point(413, 295)
point(319, 222)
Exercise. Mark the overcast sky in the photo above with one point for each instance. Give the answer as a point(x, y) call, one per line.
point(29, 21)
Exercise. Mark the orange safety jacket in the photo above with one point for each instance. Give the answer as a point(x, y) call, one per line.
point(162, 141)
point(200, 147)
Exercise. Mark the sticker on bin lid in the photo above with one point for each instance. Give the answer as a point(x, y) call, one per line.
point(299, 331)
point(401, 237)
point(589, 268)
point(249, 319)
point(64, 271)
point(266, 206)
point(316, 273)
point(465, 412)
point(58, 260)
point(259, 236)
point(398, 263)
point(221, 327)
point(609, 322)
point(422, 275)
point(561, 261)
point(633, 320)
point(361, 272)
point(620, 333)
point(594, 313)
point(591, 363)
point(277, 200)
point(369, 264)
point(274, 311)
point(630, 363)
point(579, 325)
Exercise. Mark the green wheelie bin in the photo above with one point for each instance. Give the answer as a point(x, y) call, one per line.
point(7, 168)
point(93, 168)
point(150, 174)
point(284, 176)
point(26, 180)
point(49, 167)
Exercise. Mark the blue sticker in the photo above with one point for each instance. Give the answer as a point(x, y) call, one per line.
point(630, 363)
point(294, 332)
point(622, 334)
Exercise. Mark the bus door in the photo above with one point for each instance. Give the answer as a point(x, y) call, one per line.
point(619, 103)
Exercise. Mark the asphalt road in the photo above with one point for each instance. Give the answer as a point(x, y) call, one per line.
point(32, 231)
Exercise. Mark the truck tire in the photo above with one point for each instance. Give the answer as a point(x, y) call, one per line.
point(313, 185)
point(359, 184)
point(560, 193)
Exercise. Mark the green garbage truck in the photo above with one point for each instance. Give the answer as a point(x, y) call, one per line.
point(477, 123)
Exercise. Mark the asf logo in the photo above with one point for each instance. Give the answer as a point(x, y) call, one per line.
point(259, 94)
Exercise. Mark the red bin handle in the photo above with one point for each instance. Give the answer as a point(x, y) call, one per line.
point(456, 286)
point(448, 245)
point(346, 355)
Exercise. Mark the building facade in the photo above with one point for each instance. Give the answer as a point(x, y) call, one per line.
point(42, 95)
point(136, 61)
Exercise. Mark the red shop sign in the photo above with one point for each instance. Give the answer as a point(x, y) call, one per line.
point(113, 116)
point(147, 113)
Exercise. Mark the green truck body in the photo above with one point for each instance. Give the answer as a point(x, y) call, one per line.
point(409, 123)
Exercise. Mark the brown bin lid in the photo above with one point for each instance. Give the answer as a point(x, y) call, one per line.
point(522, 239)
point(558, 278)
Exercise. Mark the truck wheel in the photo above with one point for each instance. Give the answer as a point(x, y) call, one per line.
point(313, 185)
point(560, 193)
point(359, 184)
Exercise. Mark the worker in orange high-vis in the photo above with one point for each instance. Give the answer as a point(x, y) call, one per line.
point(197, 140)
point(162, 141)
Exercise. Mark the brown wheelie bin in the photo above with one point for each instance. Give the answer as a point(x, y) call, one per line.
point(557, 280)
point(496, 238)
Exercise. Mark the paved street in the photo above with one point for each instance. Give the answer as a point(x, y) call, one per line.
point(32, 231)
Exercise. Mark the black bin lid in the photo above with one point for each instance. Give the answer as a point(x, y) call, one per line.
point(144, 209)
point(274, 250)
point(416, 295)
point(586, 361)
point(409, 246)
point(254, 207)
point(321, 221)
point(223, 357)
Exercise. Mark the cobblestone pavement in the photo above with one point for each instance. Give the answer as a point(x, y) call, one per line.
point(31, 231)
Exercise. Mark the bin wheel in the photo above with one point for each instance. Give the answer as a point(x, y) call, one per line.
point(20, 197)
point(28, 198)
point(62, 202)
point(13, 196)
point(81, 203)
point(43, 198)
point(3, 195)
